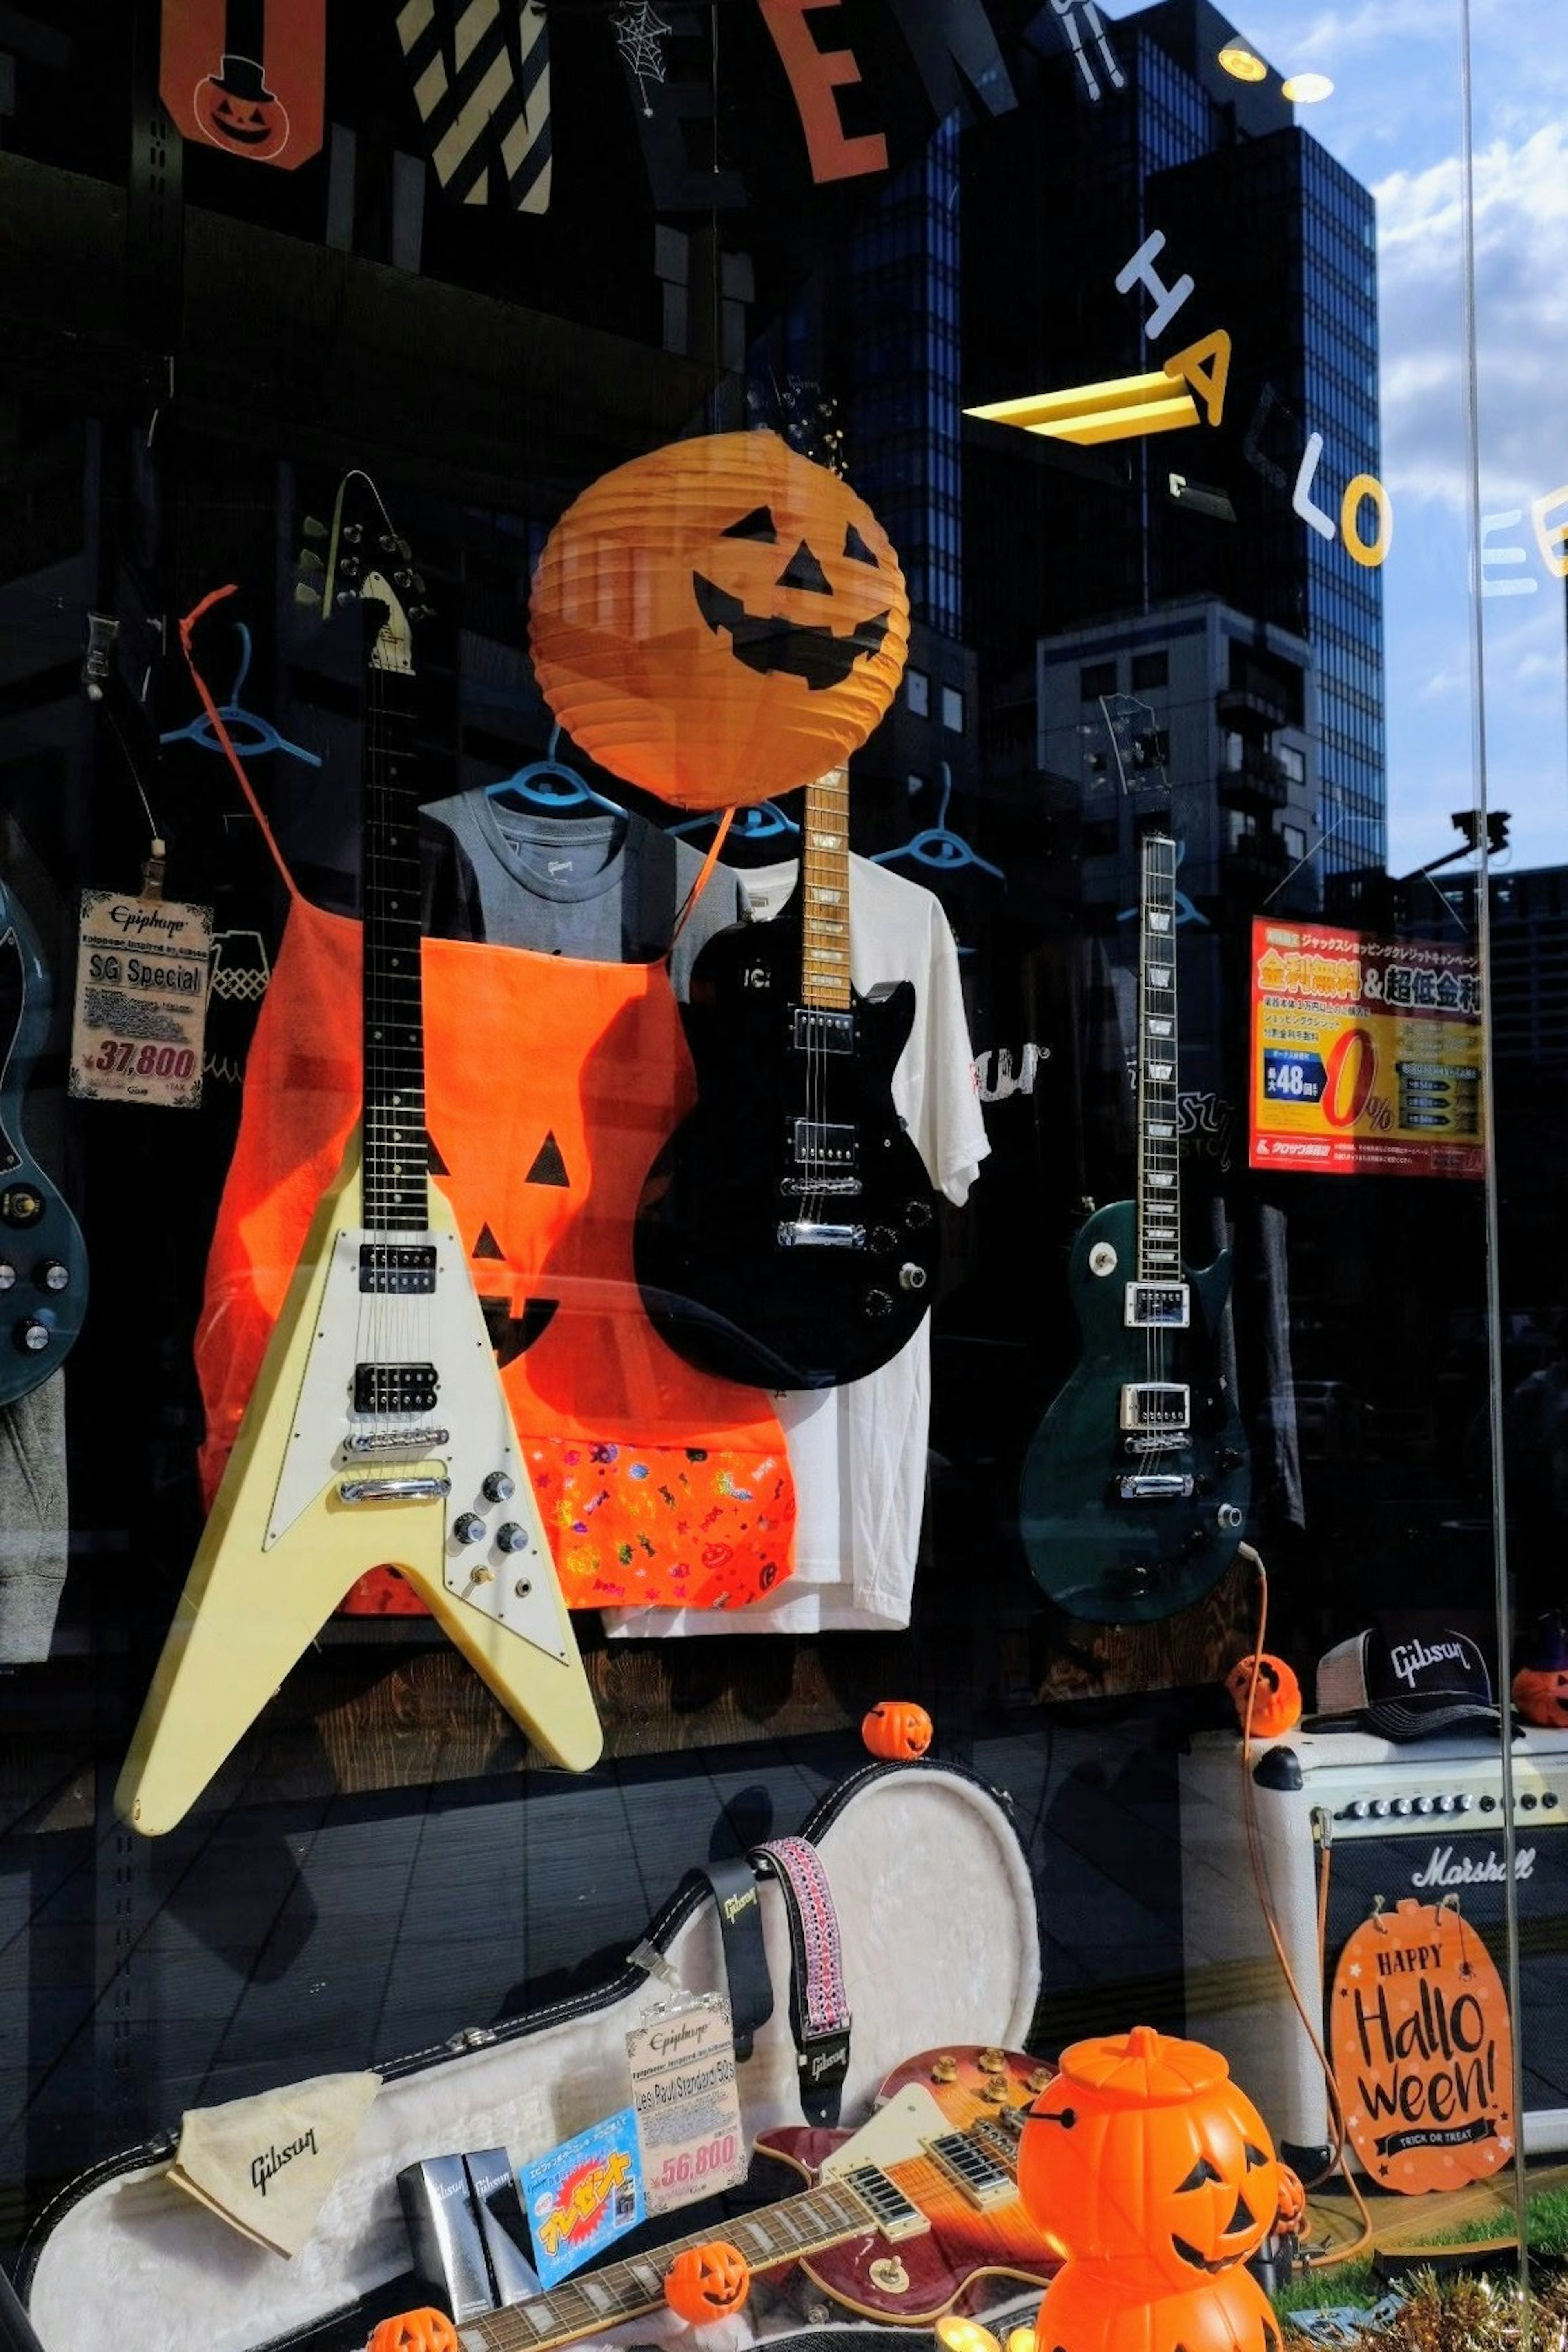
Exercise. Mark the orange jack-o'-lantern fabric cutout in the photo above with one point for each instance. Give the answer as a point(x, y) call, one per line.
point(658, 1486)
point(262, 101)
point(1420, 2041)
point(1090, 2307)
point(718, 621)
point(1142, 2154)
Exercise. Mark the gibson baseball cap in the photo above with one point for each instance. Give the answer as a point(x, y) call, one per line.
point(1408, 1685)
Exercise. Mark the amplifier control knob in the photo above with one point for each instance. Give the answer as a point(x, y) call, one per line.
point(1527, 1803)
point(468, 1528)
point(1488, 1804)
point(1550, 1801)
point(1462, 1804)
point(1359, 1811)
point(511, 1538)
point(1426, 1804)
point(53, 1276)
point(33, 1336)
point(497, 1487)
point(1403, 1805)
point(1380, 1809)
point(1447, 1804)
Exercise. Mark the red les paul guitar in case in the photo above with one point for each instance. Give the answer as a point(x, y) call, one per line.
point(899, 2237)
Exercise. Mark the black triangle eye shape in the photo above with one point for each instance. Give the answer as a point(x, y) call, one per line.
point(1255, 2156)
point(758, 524)
point(1202, 2170)
point(854, 545)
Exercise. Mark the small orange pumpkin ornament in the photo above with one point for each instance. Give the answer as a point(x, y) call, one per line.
point(896, 1728)
point(707, 2282)
point(718, 621)
point(1142, 2154)
point(1277, 1707)
point(1291, 2218)
point(416, 2331)
point(1540, 1687)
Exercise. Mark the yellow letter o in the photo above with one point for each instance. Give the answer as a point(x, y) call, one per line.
point(1366, 485)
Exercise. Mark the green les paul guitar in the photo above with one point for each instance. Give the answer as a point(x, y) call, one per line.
point(1135, 1489)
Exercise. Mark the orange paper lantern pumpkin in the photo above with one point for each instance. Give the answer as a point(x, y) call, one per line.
point(416, 2331)
point(718, 621)
point(707, 2282)
point(1086, 2308)
point(1142, 2154)
point(896, 1728)
point(1277, 1707)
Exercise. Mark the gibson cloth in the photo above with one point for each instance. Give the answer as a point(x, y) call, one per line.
point(266, 2165)
point(818, 2001)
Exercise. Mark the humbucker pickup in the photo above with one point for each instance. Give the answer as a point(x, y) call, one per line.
point(813, 1029)
point(395, 1388)
point(403, 1269)
point(1158, 1307)
point(982, 2180)
point(818, 1144)
point(1157, 1405)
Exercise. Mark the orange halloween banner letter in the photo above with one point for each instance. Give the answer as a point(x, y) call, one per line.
point(813, 74)
point(247, 77)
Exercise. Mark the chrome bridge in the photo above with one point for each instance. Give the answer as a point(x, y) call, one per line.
point(1155, 1487)
point(425, 1490)
point(393, 1440)
point(801, 1188)
point(806, 1233)
point(1156, 1406)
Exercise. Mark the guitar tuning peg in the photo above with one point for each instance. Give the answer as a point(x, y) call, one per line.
point(387, 545)
point(348, 596)
point(305, 594)
point(349, 568)
point(352, 532)
point(313, 529)
point(309, 561)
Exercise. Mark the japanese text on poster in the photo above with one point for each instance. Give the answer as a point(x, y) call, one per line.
point(1366, 1054)
point(582, 2195)
point(139, 1025)
point(687, 2107)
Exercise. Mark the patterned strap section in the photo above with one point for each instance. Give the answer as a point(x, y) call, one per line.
point(818, 2002)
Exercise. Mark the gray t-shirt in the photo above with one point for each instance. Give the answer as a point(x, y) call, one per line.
point(598, 887)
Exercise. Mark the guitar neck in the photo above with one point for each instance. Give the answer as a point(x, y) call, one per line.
point(1159, 1173)
point(825, 892)
point(394, 1178)
point(605, 2298)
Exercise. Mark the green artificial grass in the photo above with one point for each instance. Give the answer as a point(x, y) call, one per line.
point(1356, 2284)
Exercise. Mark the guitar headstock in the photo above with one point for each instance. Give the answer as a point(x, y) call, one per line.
point(968, 2082)
point(366, 560)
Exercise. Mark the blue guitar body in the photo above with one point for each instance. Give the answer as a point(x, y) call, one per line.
point(1124, 1525)
point(43, 1258)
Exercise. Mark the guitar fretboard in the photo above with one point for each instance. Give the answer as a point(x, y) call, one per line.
point(825, 892)
point(1159, 1182)
point(625, 2290)
point(395, 1180)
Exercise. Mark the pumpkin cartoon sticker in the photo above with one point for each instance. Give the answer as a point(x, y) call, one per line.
point(1422, 2050)
point(247, 77)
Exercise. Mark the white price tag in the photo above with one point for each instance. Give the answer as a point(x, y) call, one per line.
point(142, 966)
point(687, 2107)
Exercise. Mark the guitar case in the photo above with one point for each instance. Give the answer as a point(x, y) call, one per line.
point(941, 1946)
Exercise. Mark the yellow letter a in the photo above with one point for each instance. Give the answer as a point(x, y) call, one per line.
point(1209, 386)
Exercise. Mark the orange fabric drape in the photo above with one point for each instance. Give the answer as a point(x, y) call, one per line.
point(551, 1083)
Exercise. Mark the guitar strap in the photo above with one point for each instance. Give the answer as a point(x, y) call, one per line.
point(751, 1987)
point(818, 2003)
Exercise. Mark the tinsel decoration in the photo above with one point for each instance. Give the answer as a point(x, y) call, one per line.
point(1467, 2313)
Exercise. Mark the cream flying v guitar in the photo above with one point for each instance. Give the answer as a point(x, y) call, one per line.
point(378, 1430)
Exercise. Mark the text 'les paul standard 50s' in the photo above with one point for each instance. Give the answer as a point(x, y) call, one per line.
point(1135, 1488)
point(897, 2224)
point(788, 1233)
point(378, 1430)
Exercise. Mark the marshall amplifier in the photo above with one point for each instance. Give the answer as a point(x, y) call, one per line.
point(1419, 1819)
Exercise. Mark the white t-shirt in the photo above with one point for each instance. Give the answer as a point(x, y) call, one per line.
point(857, 1453)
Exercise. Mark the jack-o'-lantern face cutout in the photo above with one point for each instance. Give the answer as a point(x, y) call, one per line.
point(234, 109)
point(718, 621)
point(1143, 2153)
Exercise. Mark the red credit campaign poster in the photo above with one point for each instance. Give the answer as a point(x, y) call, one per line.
point(1366, 1054)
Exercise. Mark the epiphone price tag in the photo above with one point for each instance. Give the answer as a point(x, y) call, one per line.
point(140, 1017)
point(687, 2104)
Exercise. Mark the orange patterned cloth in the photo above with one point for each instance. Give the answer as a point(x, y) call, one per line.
point(551, 1083)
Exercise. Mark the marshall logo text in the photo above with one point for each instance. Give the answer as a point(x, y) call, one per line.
point(263, 2168)
point(1472, 1870)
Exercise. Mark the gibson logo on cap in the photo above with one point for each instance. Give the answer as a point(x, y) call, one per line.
point(1408, 1658)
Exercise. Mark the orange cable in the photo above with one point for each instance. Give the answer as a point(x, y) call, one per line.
point(698, 887)
point(187, 628)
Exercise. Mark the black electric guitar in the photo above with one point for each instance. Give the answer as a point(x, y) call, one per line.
point(788, 1234)
point(43, 1259)
point(1135, 1489)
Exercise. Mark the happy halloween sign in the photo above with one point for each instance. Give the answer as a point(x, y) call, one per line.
point(1423, 2050)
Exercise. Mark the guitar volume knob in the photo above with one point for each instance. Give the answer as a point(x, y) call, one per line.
point(497, 1487)
point(7, 1274)
point(883, 1239)
point(878, 1304)
point(511, 1538)
point(468, 1528)
point(32, 1337)
point(917, 1215)
point(54, 1276)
